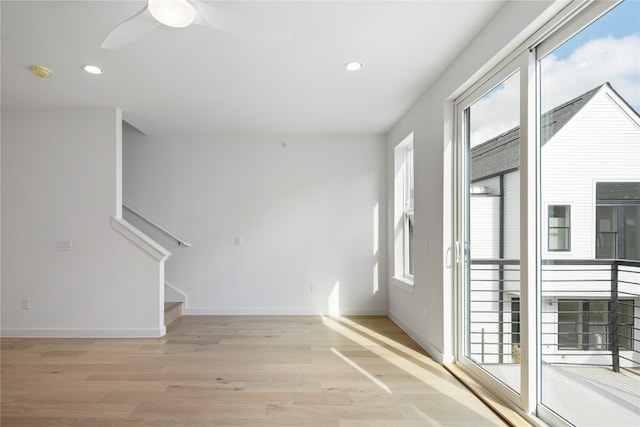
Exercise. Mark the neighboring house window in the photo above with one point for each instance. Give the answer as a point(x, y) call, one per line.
point(607, 232)
point(585, 325)
point(515, 320)
point(618, 220)
point(559, 228)
point(404, 203)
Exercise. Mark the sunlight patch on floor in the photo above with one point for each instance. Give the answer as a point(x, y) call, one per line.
point(444, 382)
point(362, 370)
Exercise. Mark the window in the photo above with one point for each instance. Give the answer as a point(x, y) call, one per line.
point(408, 213)
point(585, 324)
point(606, 232)
point(403, 210)
point(559, 228)
point(618, 220)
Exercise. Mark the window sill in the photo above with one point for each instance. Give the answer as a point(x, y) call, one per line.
point(404, 283)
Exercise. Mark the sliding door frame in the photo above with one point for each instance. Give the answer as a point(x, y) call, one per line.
point(567, 22)
point(522, 64)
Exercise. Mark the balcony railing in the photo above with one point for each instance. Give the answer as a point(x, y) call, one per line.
point(589, 312)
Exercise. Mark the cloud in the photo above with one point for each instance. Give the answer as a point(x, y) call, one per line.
point(496, 112)
point(607, 59)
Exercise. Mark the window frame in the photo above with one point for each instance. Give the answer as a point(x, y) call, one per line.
point(404, 180)
point(408, 215)
point(583, 321)
point(618, 229)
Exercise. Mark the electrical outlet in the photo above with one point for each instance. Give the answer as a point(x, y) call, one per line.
point(312, 287)
point(25, 303)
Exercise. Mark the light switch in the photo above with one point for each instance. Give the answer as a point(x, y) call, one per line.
point(64, 245)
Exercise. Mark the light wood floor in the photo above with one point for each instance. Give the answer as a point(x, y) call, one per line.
point(237, 371)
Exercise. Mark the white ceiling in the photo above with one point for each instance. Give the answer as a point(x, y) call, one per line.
point(202, 81)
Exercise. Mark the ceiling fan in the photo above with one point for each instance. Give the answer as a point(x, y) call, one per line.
point(182, 13)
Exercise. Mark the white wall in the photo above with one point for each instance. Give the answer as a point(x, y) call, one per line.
point(60, 183)
point(426, 310)
point(311, 214)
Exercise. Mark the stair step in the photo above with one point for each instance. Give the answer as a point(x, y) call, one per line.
point(172, 311)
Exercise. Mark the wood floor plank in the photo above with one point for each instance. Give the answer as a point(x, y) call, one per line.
point(198, 409)
point(67, 409)
point(249, 371)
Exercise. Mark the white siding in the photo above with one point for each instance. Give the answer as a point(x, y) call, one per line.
point(512, 215)
point(484, 227)
point(601, 143)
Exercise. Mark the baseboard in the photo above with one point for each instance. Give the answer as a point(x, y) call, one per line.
point(276, 311)
point(83, 333)
point(434, 352)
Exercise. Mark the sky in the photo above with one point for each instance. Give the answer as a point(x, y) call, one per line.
point(608, 50)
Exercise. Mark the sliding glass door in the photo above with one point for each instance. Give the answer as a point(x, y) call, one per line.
point(589, 153)
point(548, 221)
point(490, 240)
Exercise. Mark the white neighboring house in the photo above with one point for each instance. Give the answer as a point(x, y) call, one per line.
point(590, 210)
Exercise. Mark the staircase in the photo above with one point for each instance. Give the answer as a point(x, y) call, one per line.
point(172, 311)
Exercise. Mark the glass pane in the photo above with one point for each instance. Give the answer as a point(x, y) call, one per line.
point(632, 233)
point(410, 244)
point(559, 239)
point(569, 324)
point(515, 324)
point(597, 325)
point(606, 232)
point(589, 157)
point(607, 219)
point(622, 191)
point(409, 197)
point(558, 216)
point(626, 327)
point(606, 245)
point(493, 221)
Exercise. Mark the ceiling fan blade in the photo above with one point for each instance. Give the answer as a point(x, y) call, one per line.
point(130, 30)
point(237, 25)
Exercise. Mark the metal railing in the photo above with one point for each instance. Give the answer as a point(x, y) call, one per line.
point(590, 312)
point(594, 318)
point(494, 311)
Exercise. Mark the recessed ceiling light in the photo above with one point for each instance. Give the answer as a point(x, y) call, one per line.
point(172, 13)
point(353, 66)
point(92, 69)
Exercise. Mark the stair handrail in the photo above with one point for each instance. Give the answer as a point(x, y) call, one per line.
point(181, 242)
